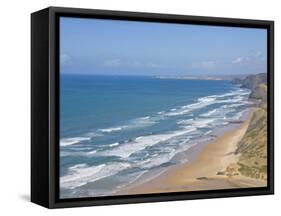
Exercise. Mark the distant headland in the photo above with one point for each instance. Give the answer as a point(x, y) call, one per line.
point(190, 77)
point(231, 77)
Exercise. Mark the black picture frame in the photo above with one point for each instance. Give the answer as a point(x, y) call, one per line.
point(45, 106)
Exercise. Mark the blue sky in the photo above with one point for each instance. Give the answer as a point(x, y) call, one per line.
point(95, 46)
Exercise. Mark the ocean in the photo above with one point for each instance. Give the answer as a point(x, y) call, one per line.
point(116, 129)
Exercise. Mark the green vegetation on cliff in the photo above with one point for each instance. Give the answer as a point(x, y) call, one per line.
point(253, 147)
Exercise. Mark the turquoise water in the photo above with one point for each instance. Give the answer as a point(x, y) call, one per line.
point(114, 129)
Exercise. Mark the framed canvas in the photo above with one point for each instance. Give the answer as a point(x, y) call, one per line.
point(138, 107)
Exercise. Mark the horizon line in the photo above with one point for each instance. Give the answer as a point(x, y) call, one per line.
point(158, 75)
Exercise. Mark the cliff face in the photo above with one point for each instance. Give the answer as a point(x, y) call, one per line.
point(252, 81)
point(253, 147)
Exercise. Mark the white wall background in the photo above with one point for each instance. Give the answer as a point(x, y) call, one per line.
point(15, 106)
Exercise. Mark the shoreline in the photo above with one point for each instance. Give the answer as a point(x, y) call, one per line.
point(213, 167)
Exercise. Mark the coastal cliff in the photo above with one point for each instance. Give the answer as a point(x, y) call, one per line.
point(253, 146)
point(251, 81)
point(257, 84)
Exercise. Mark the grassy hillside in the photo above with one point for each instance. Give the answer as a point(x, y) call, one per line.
point(253, 147)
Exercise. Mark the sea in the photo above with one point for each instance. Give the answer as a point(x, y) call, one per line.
point(114, 130)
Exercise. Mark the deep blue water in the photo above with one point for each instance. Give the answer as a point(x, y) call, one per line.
point(116, 128)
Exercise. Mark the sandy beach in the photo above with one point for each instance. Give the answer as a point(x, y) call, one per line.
point(214, 167)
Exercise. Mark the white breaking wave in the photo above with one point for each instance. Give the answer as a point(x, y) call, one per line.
point(209, 100)
point(82, 174)
point(73, 140)
point(196, 123)
point(146, 117)
point(232, 100)
point(108, 130)
point(93, 134)
point(158, 159)
point(202, 123)
point(181, 112)
point(185, 121)
point(135, 123)
point(202, 102)
point(143, 142)
point(206, 99)
point(208, 132)
point(218, 112)
point(114, 144)
point(232, 105)
point(232, 93)
point(77, 153)
point(92, 152)
point(209, 113)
